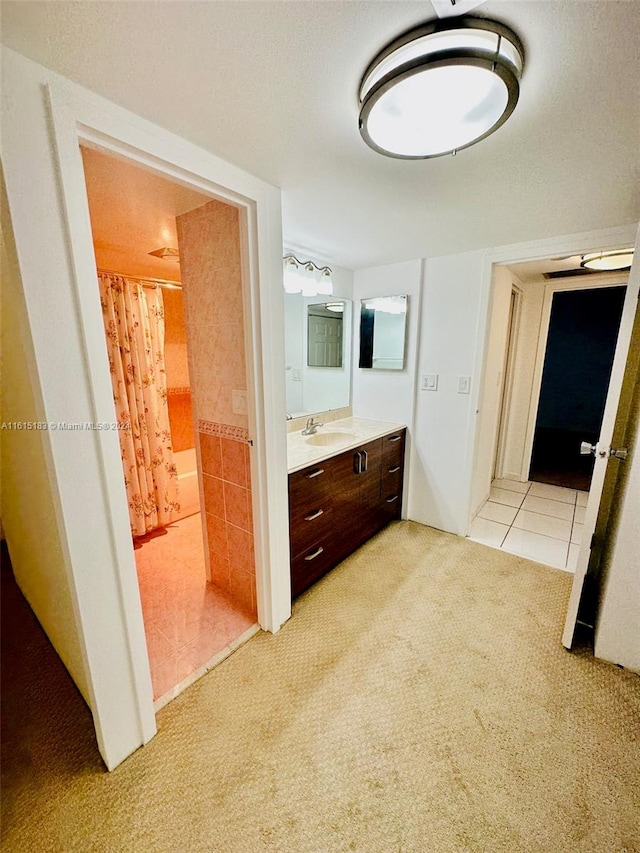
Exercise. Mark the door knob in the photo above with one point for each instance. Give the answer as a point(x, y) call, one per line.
point(586, 449)
point(620, 453)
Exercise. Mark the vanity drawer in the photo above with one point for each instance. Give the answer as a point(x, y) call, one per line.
point(391, 482)
point(312, 564)
point(312, 487)
point(391, 504)
point(309, 526)
point(393, 449)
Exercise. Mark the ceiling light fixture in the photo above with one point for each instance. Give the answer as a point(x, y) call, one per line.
point(618, 259)
point(167, 254)
point(306, 277)
point(440, 87)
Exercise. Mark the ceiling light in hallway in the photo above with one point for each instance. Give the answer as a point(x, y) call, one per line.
point(620, 259)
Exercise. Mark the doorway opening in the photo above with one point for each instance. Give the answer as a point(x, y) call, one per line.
point(185, 461)
point(581, 343)
point(552, 340)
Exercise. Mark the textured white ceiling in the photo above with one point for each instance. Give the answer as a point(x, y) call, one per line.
point(271, 87)
point(133, 212)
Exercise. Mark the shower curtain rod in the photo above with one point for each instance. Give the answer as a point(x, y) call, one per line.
point(160, 282)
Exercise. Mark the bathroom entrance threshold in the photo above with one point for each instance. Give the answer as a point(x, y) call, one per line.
point(217, 659)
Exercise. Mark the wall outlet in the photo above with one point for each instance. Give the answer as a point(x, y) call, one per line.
point(429, 382)
point(464, 384)
point(239, 402)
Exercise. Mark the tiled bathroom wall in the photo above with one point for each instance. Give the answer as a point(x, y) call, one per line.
point(177, 368)
point(229, 522)
point(209, 243)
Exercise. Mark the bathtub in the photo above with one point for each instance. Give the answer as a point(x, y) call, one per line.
point(187, 483)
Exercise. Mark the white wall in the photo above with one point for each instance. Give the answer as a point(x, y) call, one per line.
point(440, 474)
point(34, 538)
point(387, 394)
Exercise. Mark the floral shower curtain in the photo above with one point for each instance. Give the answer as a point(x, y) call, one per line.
point(134, 326)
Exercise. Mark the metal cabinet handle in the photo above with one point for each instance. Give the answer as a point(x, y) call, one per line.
point(395, 438)
point(393, 470)
point(315, 473)
point(315, 554)
point(392, 499)
point(313, 515)
point(366, 460)
point(357, 462)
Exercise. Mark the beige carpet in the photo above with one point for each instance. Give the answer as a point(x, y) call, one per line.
point(419, 701)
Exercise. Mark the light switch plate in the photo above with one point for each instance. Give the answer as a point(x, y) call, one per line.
point(429, 382)
point(239, 402)
point(464, 384)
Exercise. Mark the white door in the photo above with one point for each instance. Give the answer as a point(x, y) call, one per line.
point(603, 447)
point(325, 341)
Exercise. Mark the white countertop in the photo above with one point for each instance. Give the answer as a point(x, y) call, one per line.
point(357, 431)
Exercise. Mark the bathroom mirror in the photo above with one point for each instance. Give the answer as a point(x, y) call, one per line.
point(383, 321)
point(317, 354)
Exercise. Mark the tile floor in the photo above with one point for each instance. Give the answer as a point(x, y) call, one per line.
point(534, 520)
point(187, 621)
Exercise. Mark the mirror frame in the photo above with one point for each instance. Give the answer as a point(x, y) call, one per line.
point(367, 331)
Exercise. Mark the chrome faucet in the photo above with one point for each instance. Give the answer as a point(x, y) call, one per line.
point(311, 427)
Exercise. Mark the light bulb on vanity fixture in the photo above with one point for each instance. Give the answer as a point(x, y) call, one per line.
point(306, 277)
point(440, 87)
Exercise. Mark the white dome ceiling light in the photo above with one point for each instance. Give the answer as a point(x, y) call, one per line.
point(440, 87)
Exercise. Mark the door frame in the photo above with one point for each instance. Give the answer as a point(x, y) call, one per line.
point(536, 250)
point(508, 373)
point(78, 116)
point(594, 282)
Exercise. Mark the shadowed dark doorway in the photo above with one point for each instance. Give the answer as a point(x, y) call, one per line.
point(583, 330)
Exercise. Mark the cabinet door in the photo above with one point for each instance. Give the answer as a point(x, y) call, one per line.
point(359, 495)
point(370, 474)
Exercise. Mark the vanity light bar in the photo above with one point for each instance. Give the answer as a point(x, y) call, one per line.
point(294, 263)
point(306, 277)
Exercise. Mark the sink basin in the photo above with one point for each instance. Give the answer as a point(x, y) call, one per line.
point(322, 439)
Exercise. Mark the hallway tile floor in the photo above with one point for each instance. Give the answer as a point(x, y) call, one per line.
point(187, 621)
point(534, 520)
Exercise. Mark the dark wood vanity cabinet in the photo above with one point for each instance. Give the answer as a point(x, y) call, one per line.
point(339, 503)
